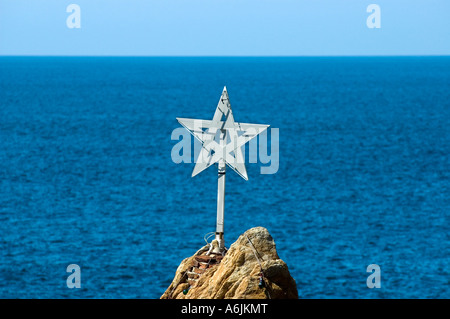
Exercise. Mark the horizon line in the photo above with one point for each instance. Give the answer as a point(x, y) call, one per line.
point(226, 56)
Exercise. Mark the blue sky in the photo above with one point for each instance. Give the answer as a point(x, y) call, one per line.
point(225, 28)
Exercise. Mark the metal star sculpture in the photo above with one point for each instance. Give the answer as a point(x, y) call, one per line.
point(222, 140)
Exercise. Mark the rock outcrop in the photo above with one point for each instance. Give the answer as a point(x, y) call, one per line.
point(238, 275)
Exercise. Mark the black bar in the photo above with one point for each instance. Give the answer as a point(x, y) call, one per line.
point(230, 308)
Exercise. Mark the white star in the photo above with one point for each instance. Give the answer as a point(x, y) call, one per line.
point(222, 138)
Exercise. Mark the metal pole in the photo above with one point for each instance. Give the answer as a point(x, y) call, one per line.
point(220, 206)
point(221, 199)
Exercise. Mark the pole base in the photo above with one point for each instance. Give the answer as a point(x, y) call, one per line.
point(220, 247)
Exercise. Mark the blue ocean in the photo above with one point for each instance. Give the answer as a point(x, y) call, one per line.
point(87, 178)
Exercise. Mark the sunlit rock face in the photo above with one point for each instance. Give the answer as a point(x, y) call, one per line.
point(238, 274)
